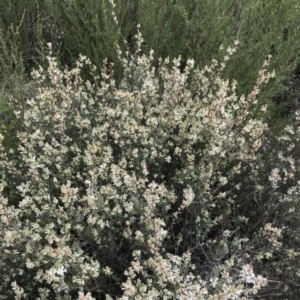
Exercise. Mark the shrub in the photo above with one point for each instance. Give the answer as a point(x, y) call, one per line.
point(188, 28)
point(157, 188)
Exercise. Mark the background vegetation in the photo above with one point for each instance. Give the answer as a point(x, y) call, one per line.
point(189, 29)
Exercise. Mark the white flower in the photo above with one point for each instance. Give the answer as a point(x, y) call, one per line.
point(213, 281)
point(168, 159)
point(226, 233)
point(61, 271)
point(29, 264)
point(247, 274)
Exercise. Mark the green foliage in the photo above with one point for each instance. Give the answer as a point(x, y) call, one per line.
point(83, 27)
point(12, 77)
point(23, 23)
point(171, 28)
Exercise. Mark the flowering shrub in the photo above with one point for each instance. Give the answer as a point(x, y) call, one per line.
point(158, 188)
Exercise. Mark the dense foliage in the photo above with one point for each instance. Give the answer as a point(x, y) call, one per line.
point(189, 28)
point(148, 175)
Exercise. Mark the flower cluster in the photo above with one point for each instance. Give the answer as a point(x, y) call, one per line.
point(140, 190)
